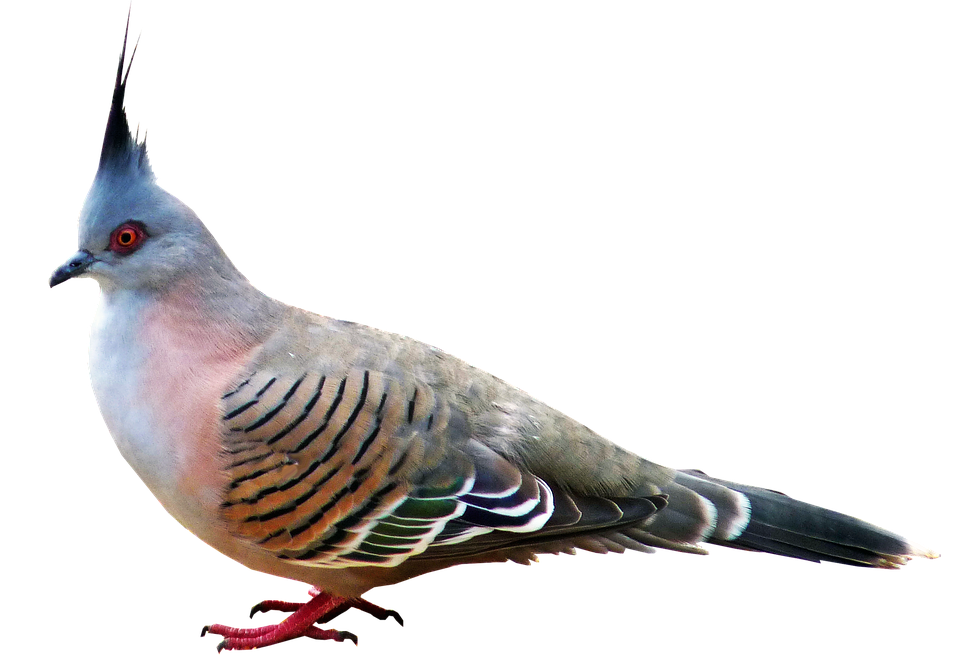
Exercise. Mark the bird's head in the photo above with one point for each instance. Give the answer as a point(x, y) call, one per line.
point(133, 234)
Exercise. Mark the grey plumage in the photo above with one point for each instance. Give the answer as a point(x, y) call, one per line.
point(347, 457)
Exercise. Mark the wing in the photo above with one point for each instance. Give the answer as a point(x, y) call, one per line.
point(357, 467)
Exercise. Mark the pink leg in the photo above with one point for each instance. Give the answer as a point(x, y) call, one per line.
point(298, 624)
point(356, 603)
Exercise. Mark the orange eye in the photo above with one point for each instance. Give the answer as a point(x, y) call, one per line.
point(127, 237)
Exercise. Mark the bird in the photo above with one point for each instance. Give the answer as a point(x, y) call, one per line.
point(347, 458)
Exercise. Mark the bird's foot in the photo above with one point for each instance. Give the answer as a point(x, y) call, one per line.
point(321, 608)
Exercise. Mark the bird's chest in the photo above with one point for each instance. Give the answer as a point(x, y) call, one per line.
point(158, 373)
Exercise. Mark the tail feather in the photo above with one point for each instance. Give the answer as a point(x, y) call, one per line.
point(785, 526)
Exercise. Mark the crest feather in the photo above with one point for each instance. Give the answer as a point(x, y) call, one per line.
point(121, 151)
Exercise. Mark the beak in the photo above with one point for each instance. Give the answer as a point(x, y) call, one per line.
point(75, 266)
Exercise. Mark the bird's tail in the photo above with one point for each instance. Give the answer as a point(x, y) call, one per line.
point(757, 519)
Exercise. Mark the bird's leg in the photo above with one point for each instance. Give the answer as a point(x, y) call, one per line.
point(365, 606)
point(355, 603)
point(301, 623)
point(298, 624)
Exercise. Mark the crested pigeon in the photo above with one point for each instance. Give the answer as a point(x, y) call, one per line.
point(349, 458)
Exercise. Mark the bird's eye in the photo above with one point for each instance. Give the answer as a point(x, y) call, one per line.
point(127, 237)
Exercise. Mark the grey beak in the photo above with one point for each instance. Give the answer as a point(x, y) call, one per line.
point(75, 265)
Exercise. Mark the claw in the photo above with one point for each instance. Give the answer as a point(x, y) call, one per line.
point(375, 611)
point(335, 635)
point(274, 605)
point(319, 609)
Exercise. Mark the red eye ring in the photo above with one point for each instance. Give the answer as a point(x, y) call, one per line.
point(127, 237)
